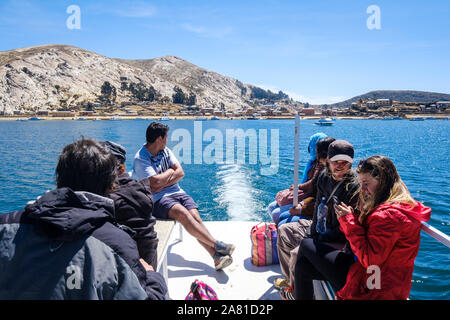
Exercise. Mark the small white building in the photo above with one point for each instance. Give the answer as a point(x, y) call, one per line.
point(371, 104)
point(207, 111)
point(443, 104)
point(43, 113)
point(62, 114)
point(383, 102)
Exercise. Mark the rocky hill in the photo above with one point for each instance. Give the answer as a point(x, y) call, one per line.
point(396, 95)
point(58, 77)
point(210, 88)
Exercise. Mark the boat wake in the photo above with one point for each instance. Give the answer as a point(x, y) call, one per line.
point(235, 193)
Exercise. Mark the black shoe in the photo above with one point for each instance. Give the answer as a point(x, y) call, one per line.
point(224, 248)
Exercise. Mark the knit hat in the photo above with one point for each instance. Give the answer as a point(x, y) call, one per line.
point(341, 150)
point(117, 150)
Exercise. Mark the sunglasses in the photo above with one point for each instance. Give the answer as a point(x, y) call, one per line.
point(365, 166)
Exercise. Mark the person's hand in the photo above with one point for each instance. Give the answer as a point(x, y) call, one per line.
point(296, 211)
point(291, 187)
point(342, 209)
point(147, 267)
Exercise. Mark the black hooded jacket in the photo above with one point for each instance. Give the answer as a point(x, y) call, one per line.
point(133, 203)
point(66, 246)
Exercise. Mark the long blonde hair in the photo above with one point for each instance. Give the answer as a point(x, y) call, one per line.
point(390, 187)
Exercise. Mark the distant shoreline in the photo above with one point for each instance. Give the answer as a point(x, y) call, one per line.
point(45, 118)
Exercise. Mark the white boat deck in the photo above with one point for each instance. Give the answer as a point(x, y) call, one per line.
point(188, 261)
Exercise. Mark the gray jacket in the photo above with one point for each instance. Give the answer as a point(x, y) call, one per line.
point(66, 246)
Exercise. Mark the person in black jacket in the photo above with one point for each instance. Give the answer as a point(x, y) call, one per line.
point(326, 255)
point(340, 178)
point(133, 203)
point(66, 245)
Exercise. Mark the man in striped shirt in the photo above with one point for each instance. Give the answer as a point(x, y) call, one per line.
point(156, 162)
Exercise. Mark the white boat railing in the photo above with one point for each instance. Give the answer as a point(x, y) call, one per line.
point(436, 234)
point(165, 230)
point(322, 290)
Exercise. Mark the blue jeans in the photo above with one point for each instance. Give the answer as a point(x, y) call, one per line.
point(281, 215)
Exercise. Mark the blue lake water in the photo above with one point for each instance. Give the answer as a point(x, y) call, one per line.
point(241, 188)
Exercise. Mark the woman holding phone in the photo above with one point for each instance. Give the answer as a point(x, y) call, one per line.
point(383, 232)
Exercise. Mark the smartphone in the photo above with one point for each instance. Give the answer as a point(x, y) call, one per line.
point(336, 200)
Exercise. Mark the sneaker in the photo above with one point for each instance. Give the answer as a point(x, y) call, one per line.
point(222, 261)
point(224, 248)
point(280, 283)
point(287, 294)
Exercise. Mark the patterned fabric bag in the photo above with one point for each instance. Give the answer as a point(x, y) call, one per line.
point(286, 197)
point(264, 244)
point(201, 291)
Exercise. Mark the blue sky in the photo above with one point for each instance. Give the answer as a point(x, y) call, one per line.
point(317, 51)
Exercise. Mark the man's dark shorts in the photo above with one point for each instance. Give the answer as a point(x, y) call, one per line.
point(162, 206)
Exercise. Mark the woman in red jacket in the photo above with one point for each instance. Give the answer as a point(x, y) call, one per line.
point(384, 234)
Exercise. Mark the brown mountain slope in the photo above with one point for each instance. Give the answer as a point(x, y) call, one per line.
point(54, 77)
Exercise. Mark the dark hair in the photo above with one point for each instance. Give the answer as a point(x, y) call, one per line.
point(86, 165)
point(156, 130)
point(322, 147)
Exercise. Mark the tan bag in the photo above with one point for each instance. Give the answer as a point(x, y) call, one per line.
point(308, 207)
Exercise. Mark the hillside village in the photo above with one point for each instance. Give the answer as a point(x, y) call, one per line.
point(284, 109)
point(180, 105)
point(65, 82)
point(259, 109)
point(374, 108)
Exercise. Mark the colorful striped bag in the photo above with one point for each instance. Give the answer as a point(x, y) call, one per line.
point(264, 244)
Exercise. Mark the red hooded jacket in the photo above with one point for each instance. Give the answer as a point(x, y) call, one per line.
point(386, 247)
